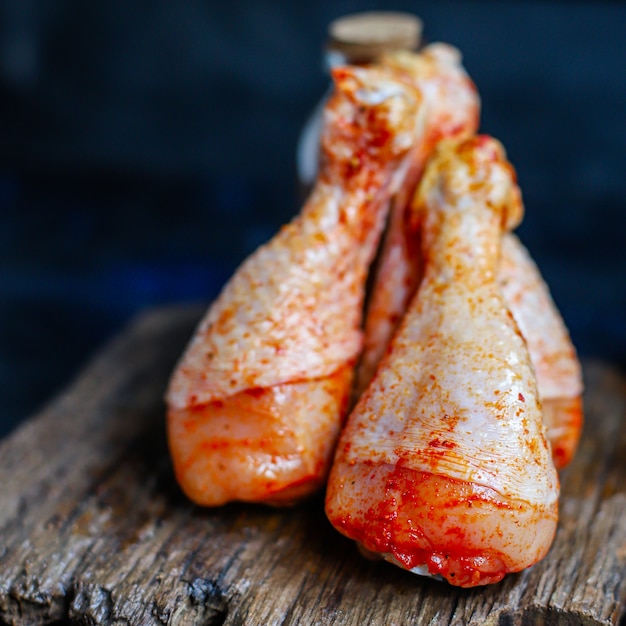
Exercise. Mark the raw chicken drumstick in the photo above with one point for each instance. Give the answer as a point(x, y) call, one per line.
point(558, 371)
point(451, 111)
point(443, 467)
point(256, 403)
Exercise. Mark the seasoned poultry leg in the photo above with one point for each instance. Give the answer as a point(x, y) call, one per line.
point(256, 403)
point(451, 110)
point(443, 467)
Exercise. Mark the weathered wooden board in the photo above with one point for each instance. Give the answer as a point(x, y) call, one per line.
point(93, 529)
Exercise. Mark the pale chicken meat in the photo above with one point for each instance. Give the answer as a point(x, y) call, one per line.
point(451, 107)
point(451, 110)
point(443, 467)
point(552, 353)
point(256, 402)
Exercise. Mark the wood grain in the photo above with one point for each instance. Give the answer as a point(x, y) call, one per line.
point(94, 530)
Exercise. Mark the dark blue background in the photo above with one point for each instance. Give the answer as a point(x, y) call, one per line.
point(147, 147)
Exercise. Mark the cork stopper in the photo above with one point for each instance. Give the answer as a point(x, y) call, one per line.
point(362, 37)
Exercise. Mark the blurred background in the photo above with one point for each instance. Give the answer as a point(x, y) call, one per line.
point(146, 147)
